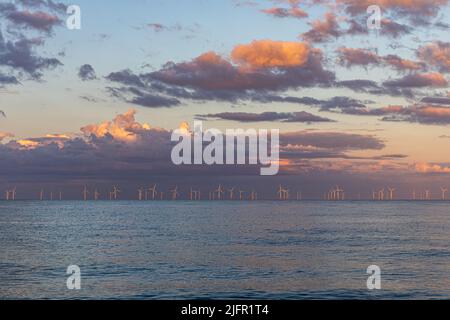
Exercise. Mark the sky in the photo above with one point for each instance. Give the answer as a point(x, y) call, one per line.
point(356, 107)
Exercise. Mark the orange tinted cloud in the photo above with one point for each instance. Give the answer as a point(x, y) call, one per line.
point(271, 54)
point(437, 54)
point(431, 168)
point(4, 135)
point(123, 127)
point(285, 13)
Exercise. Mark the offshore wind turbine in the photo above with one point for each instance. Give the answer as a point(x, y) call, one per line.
point(41, 195)
point(7, 192)
point(140, 194)
point(175, 193)
point(85, 193)
point(220, 191)
point(231, 193)
point(444, 192)
point(153, 191)
point(96, 195)
point(391, 193)
point(381, 195)
point(115, 192)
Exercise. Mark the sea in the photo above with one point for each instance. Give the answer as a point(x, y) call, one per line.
point(155, 250)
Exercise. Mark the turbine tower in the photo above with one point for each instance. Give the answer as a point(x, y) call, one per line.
point(220, 191)
point(85, 193)
point(153, 191)
point(444, 192)
point(115, 192)
point(41, 195)
point(96, 195)
point(141, 194)
point(391, 193)
point(231, 193)
point(174, 192)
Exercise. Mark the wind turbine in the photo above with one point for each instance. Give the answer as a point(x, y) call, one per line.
point(60, 196)
point(427, 195)
point(280, 193)
point(115, 192)
point(220, 191)
point(444, 192)
point(140, 194)
point(41, 195)
point(85, 193)
point(381, 195)
point(153, 191)
point(96, 195)
point(231, 192)
point(7, 195)
point(174, 192)
point(391, 193)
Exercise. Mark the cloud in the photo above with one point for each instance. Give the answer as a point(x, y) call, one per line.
point(286, 13)
point(271, 54)
point(20, 55)
point(87, 73)
point(332, 140)
point(413, 9)
point(36, 20)
point(419, 80)
point(323, 30)
point(431, 168)
point(123, 128)
point(350, 57)
point(5, 135)
point(125, 150)
point(255, 71)
point(436, 54)
point(361, 57)
point(267, 116)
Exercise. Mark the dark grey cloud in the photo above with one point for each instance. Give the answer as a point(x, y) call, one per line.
point(87, 73)
point(35, 20)
point(267, 116)
point(210, 77)
point(332, 140)
point(20, 56)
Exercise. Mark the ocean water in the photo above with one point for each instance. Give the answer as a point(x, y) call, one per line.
point(224, 250)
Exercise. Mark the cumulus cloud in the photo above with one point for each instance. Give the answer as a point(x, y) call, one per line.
point(431, 168)
point(5, 135)
point(20, 55)
point(255, 70)
point(124, 149)
point(123, 128)
point(271, 54)
point(87, 73)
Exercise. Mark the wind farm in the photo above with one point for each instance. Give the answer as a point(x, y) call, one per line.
point(154, 192)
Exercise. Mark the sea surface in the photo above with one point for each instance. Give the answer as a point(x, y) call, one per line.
point(224, 250)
